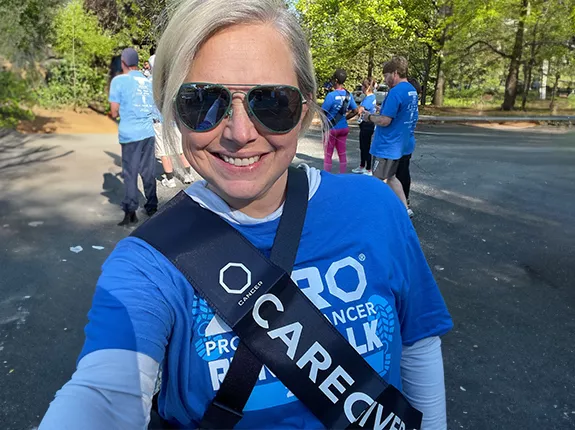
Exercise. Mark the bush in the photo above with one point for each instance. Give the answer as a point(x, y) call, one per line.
point(15, 98)
point(64, 88)
point(80, 78)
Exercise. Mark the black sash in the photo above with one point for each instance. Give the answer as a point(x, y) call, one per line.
point(275, 320)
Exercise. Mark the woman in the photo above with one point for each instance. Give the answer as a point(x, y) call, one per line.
point(146, 317)
point(338, 106)
point(366, 128)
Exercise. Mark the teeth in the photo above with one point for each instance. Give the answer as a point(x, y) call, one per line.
point(240, 161)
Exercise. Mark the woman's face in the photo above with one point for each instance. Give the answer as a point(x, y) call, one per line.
point(243, 55)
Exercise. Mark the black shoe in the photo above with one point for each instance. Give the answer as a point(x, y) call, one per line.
point(129, 218)
point(151, 211)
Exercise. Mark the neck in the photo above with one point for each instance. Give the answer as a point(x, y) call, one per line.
point(263, 205)
point(338, 87)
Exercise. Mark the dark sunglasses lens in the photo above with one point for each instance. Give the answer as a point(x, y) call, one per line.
point(277, 107)
point(201, 107)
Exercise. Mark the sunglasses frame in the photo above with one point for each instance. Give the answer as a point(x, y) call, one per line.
point(229, 108)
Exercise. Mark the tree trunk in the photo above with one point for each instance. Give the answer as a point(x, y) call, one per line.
point(370, 61)
point(526, 83)
point(440, 82)
point(544, 75)
point(555, 85)
point(425, 82)
point(513, 74)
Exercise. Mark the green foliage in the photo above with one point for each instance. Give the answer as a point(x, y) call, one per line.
point(79, 38)
point(470, 40)
point(86, 51)
point(26, 29)
point(133, 22)
point(90, 86)
point(356, 35)
point(15, 95)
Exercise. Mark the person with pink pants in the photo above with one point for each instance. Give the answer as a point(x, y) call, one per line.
point(338, 107)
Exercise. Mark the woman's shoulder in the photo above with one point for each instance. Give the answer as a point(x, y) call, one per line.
point(136, 261)
point(366, 192)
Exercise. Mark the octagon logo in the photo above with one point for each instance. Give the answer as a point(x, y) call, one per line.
point(242, 278)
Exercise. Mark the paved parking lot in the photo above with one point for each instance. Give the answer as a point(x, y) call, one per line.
point(495, 211)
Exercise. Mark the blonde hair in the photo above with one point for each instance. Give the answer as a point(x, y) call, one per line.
point(195, 21)
point(369, 83)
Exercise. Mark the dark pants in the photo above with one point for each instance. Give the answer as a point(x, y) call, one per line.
point(138, 158)
point(365, 133)
point(403, 174)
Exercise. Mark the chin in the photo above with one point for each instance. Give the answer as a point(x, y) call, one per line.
point(247, 191)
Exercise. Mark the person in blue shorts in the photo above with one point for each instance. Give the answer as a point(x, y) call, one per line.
point(131, 101)
point(394, 125)
point(363, 270)
point(368, 106)
point(339, 106)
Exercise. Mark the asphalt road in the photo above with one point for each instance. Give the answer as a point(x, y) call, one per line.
point(495, 211)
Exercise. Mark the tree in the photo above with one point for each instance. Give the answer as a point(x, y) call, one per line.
point(528, 24)
point(26, 29)
point(515, 59)
point(135, 22)
point(427, 22)
point(355, 35)
point(85, 50)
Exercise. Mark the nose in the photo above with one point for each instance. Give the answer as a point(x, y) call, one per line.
point(239, 128)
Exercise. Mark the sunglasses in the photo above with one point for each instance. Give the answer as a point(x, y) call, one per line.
point(202, 106)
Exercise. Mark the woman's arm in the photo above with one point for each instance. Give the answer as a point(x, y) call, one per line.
point(128, 330)
point(111, 389)
point(423, 381)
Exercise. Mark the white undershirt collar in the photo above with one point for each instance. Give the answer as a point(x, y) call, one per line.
point(207, 199)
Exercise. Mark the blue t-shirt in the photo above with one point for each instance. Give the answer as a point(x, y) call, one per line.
point(400, 105)
point(369, 103)
point(378, 292)
point(333, 103)
point(133, 91)
point(410, 145)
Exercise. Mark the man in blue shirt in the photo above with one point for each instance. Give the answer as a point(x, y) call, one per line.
point(131, 101)
point(339, 106)
point(395, 124)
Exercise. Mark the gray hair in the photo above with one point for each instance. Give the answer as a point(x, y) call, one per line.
point(195, 21)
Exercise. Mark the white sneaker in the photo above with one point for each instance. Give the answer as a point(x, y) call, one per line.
point(410, 213)
point(170, 183)
point(188, 179)
point(368, 173)
point(359, 170)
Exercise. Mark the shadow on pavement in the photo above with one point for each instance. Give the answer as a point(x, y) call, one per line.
point(113, 190)
point(117, 158)
point(18, 150)
point(46, 293)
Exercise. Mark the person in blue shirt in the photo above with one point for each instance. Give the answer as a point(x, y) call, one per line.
point(338, 106)
point(368, 106)
point(363, 270)
point(394, 125)
point(131, 101)
point(165, 153)
point(403, 174)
